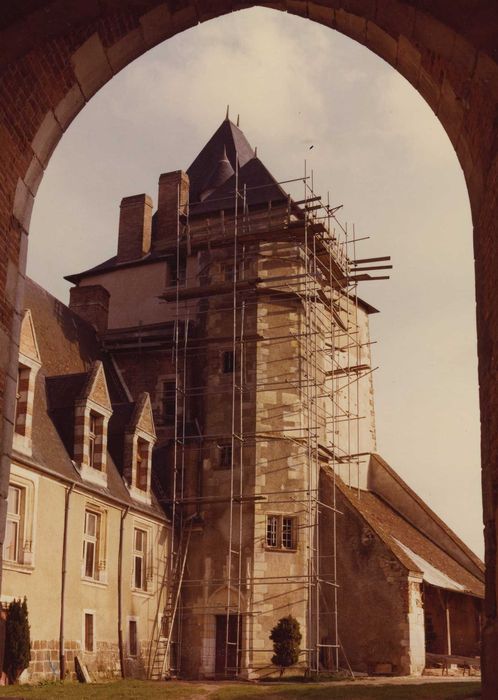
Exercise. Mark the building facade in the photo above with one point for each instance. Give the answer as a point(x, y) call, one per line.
point(228, 398)
point(86, 540)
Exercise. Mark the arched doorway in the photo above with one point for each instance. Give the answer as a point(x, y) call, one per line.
point(54, 60)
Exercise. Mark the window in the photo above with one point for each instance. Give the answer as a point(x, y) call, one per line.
point(91, 545)
point(142, 464)
point(12, 550)
point(228, 272)
point(169, 402)
point(225, 461)
point(89, 640)
point(288, 533)
point(139, 559)
point(281, 532)
point(228, 361)
point(132, 638)
point(94, 433)
point(271, 531)
point(178, 273)
point(21, 400)
point(28, 367)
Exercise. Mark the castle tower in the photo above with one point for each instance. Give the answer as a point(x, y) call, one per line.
point(240, 304)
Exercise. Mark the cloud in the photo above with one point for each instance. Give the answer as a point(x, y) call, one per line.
point(378, 149)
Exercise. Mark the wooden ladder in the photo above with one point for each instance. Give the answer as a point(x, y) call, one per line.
point(166, 625)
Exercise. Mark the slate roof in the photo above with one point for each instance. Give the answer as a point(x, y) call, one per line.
point(229, 140)
point(68, 348)
point(261, 187)
point(400, 536)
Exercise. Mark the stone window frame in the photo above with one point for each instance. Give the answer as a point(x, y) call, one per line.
point(25, 396)
point(227, 358)
point(237, 362)
point(140, 554)
point(146, 527)
point(132, 445)
point(100, 565)
point(27, 483)
point(87, 410)
point(129, 620)
point(93, 614)
point(280, 533)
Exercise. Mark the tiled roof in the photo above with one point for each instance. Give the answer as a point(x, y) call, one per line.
point(401, 537)
point(69, 347)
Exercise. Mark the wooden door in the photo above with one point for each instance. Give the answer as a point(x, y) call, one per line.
point(227, 662)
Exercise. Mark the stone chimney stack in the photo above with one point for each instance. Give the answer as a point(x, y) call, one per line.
point(135, 226)
point(91, 303)
point(173, 192)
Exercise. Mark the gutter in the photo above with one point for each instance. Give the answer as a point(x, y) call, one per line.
point(62, 655)
point(86, 488)
point(124, 513)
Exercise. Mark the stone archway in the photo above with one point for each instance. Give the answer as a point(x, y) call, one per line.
point(55, 55)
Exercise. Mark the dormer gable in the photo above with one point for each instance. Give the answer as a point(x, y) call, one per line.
point(28, 367)
point(28, 345)
point(95, 389)
point(142, 418)
point(91, 418)
point(140, 437)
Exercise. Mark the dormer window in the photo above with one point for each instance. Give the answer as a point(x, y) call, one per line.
point(139, 441)
point(21, 399)
point(142, 464)
point(92, 436)
point(92, 412)
point(29, 364)
point(95, 435)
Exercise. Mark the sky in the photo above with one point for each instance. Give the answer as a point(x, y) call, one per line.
point(377, 149)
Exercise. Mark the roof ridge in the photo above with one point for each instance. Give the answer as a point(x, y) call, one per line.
point(453, 536)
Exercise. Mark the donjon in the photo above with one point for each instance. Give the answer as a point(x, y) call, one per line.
point(237, 351)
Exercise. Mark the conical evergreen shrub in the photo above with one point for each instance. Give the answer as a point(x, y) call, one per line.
point(286, 637)
point(17, 643)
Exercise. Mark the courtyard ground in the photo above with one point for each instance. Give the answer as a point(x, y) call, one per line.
point(374, 689)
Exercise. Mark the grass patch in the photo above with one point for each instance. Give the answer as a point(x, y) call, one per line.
point(117, 690)
point(147, 690)
point(427, 691)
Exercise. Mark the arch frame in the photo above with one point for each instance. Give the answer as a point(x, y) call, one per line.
point(55, 56)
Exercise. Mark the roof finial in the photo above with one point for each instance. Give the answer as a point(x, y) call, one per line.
point(228, 112)
point(255, 151)
point(238, 119)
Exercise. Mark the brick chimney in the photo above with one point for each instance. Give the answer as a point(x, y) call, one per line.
point(173, 191)
point(135, 224)
point(91, 303)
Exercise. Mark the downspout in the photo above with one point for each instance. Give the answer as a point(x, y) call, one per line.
point(62, 655)
point(124, 513)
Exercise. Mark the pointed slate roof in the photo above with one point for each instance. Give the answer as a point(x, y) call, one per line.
point(212, 174)
point(261, 187)
point(228, 139)
point(212, 185)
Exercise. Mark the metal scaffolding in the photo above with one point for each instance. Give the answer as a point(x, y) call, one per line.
point(317, 270)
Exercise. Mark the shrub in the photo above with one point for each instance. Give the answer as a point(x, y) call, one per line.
point(17, 643)
point(286, 637)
